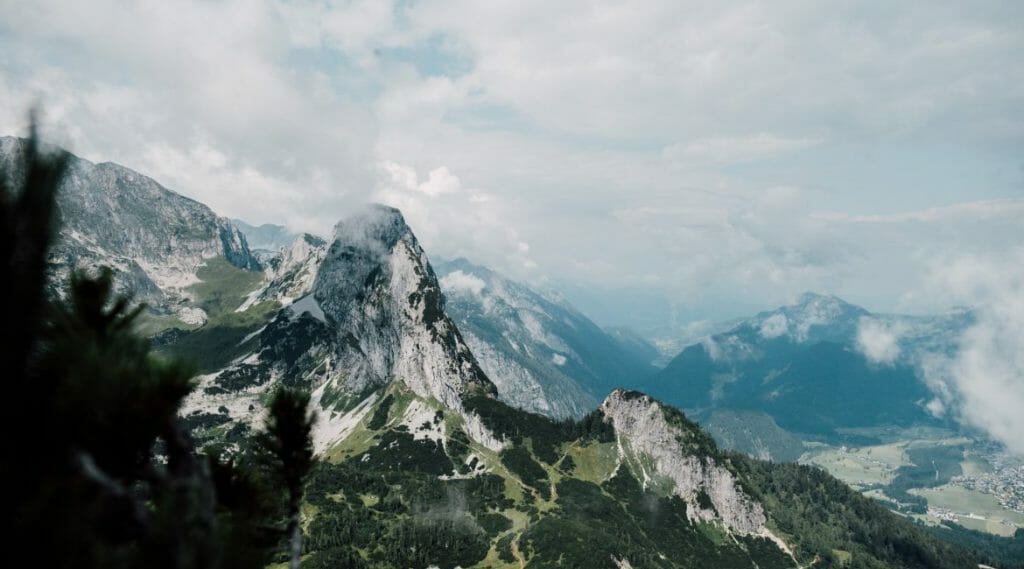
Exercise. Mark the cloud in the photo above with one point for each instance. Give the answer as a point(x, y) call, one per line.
point(982, 383)
point(879, 341)
point(979, 210)
point(723, 157)
point(737, 149)
point(558, 359)
point(460, 282)
point(439, 180)
point(142, 84)
point(774, 326)
point(452, 221)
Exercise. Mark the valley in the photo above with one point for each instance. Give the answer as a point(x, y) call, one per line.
point(970, 482)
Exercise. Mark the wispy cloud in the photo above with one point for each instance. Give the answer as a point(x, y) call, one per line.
point(879, 341)
point(728, 149)
point(982, 383)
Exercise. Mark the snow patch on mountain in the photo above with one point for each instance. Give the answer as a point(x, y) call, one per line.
point(333, 427)
point(191, 315)
point(774, 326)
point(308, 305)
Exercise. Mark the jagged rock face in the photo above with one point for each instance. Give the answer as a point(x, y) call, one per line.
point(542, 354)
point(291, 272)
point(363, 312)
point(377, 290)
point(152, 237)
point(641, 423)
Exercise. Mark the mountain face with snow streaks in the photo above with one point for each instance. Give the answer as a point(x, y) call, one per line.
point(541, 353)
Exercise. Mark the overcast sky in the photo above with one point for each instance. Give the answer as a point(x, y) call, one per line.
point(714, 157)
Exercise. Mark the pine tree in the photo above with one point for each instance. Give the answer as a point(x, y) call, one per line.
point(98, 470)
point(288, 443)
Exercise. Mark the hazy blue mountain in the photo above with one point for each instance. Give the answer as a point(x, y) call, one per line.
point(634, 343)
point(810, 367)
point(543, 354)
point(751, 432)
point(268, 236)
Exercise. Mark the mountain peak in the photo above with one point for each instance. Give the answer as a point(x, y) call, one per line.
point(371, 226)
point(267, 236)
point(377, 288)
point(154, 239)
point(813, 317)
point(809, 298)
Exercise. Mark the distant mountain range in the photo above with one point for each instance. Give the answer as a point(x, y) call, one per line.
point(267, 237)
point(817, 367)
point(423, 464)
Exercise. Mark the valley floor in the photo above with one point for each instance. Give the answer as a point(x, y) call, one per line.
point(933, 475)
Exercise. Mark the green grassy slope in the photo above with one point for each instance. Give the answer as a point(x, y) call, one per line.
point(564, 495)
point(227, 334)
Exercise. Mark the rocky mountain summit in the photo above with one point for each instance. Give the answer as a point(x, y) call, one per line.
point(291, 271)
point(376, 287)
point(154, 239)
point(680, 455)
point(373, 314)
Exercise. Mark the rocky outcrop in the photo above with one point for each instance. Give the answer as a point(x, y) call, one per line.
point(710, 489)
point(291, 272)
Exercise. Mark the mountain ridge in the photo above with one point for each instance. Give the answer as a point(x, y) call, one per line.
point(154, 239)
point(814, 367)
point(542, 353)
